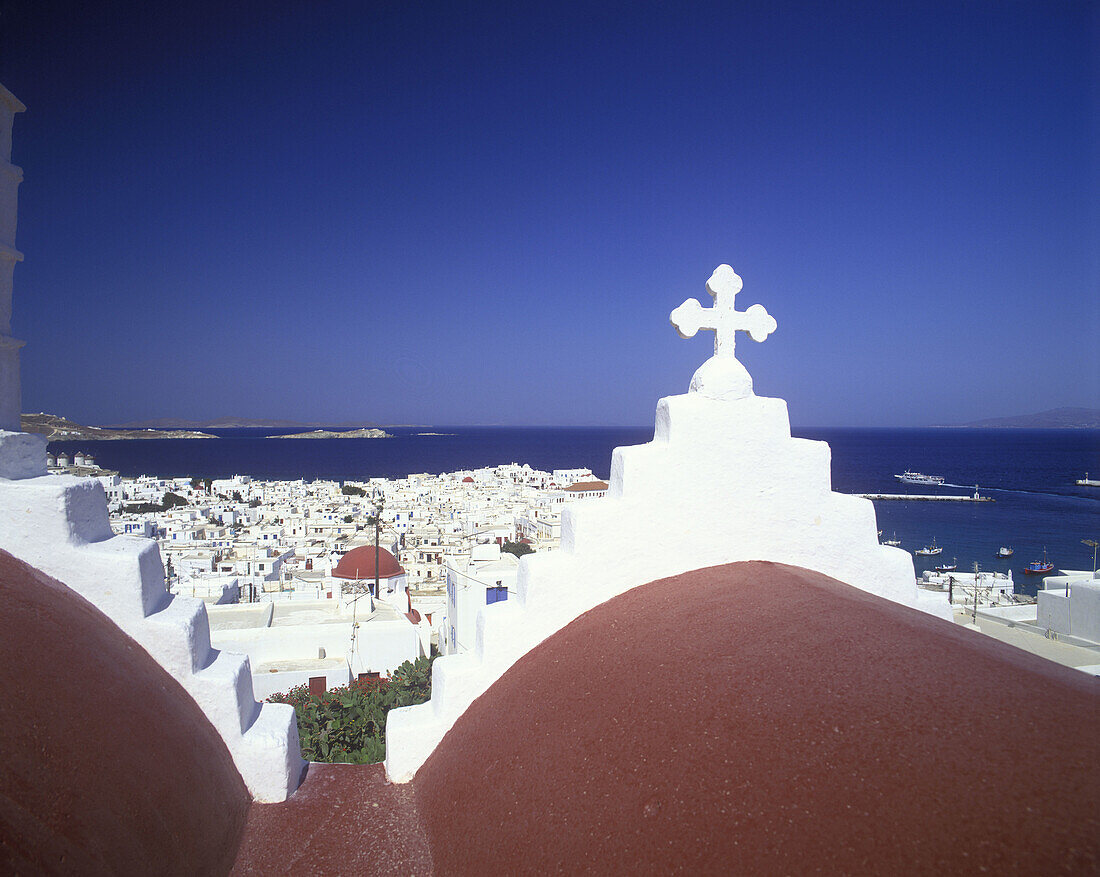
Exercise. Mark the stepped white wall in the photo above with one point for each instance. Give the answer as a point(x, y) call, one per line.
point(722, 481)
point(59, 524)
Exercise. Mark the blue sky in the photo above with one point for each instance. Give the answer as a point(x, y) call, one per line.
point(408, 212)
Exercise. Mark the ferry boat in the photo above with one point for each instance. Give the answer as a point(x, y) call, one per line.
point(948, 567)
point(1039, 567)
point(1005, 552)
point(919, 478)
point(929, 550)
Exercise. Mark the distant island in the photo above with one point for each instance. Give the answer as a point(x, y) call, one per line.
point(1055, 418)
point(61, 429)
point(329, 434)
point(231, 423)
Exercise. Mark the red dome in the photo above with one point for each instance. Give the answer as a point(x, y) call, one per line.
point(467, 480)
point(358, 564)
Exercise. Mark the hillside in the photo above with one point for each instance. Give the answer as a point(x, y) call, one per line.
point(57, 429)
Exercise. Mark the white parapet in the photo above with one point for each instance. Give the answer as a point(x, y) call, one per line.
point(60, 525)
point(22, 454)
point(722, 481)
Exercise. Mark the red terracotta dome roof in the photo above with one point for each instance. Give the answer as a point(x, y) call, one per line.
point(78, 795)
point(806, 727)
point(359, 564)
point(467, 480)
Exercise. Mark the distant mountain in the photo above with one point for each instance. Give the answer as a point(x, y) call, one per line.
point(1055, 418)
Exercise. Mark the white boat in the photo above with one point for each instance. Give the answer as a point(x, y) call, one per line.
point(929, 550)
point(895, 541)
point(1088, 482)
point(919, 478)
point(1005, 552)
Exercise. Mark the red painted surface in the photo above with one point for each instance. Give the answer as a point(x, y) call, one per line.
point(345, 819)
point(107, 764)
point(358, 564)
point(802, 726)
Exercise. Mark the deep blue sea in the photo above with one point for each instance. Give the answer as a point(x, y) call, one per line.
point(1030, 473)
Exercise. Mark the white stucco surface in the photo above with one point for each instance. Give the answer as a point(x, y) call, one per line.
point(722, 481)
point(288, 637)
point(1077, 614)
point(59, 524)
point(22, 454)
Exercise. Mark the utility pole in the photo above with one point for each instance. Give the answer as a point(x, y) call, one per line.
point(977, 572)
point(378, 498)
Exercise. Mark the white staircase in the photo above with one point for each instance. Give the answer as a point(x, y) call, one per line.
point(59, 524)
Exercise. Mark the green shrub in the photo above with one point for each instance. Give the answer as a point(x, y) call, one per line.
point(348, 724)
point(519, 549)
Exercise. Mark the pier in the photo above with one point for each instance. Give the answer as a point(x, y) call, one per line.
point(913, 497)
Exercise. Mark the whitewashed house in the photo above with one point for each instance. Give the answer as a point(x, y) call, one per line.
point(480, 578)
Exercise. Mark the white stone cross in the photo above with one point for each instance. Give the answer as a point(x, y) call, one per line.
point(723, 319)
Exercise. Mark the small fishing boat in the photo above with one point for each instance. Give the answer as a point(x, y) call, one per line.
point(1005, 552)
point(1039, 567)
point(930, 550)
point(895, 541)
point(948, 567)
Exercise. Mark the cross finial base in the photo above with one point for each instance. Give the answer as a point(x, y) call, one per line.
point(723, 378)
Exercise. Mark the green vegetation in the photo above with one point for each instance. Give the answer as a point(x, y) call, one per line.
point(348, 724)
point(171, 500)
point(517, 548)
point(352, 490)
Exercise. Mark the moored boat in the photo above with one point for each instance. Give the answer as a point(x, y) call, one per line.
point(948, 567)
point(1005, 552)
point(930, 550)
point(894, 541)
point(1039, 567)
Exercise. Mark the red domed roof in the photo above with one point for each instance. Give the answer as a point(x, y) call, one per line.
point(112, 804)
point(785, 751)
point(774, 753)
point(359, 564)
point(467, 480)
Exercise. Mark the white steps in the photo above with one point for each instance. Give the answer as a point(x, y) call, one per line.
point(60, 525)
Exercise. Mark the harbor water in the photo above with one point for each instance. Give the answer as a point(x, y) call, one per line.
point(1029, 473)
